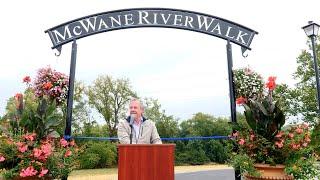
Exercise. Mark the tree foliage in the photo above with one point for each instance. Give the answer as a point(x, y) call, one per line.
point(204, 125)
point(109, 97)
point(166, 125)
point(302, 98)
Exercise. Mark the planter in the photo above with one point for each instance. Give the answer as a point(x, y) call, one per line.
point(270, 172)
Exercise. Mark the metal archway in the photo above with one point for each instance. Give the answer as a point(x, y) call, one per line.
point(149, 17)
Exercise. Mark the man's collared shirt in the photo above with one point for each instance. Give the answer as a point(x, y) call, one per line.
point(136, 128)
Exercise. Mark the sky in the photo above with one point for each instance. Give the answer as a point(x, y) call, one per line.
point(186, 71)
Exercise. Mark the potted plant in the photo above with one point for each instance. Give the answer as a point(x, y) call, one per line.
point(31, 146)
point(266, 144)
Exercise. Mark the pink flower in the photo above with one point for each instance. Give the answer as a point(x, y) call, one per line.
point(19, 144)
point(68, 153)
point(63, 142)
point(2, 158)
point(23, 148)
point(307, 139)
point(30, 137)
point(290, 135)
point(46, 149)
point(252, 137)
point(30, 171)
point(299, 130)
point(27, 79)
point(279, 135)
point(37, 152)
point(279, 144)
point(295, 146)
point(43, 172)
point(305, 144)
point(241, 141)
point(305, 126)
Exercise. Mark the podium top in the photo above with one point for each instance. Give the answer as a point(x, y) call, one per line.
point(145, 145)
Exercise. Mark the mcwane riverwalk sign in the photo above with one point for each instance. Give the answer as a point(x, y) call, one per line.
point(149, 17)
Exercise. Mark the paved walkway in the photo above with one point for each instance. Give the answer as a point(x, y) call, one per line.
point(203, 172)
point(221, 174)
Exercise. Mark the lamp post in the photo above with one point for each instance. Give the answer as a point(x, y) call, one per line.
point(311, 31)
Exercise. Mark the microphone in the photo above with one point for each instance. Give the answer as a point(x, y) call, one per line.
point(132, 117)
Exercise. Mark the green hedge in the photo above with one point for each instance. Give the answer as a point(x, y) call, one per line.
point(98, 155)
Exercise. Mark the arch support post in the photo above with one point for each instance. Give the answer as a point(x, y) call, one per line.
point(231, 84)
point(67, 132)
point(237, 174)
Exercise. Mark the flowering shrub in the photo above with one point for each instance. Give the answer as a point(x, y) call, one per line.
point(284, 144)
point(266, 141)
point(50, 83)
point(24, 156)
point(247, 83)
point(30, 147)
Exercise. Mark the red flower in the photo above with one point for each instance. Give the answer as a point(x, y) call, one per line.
point(19, 101)
point(27, 79)
point(241, 100)
point(241, 141)
point(47, 85)
point(271, 84)
point(68, 153)
point(43, 172)
point(18, 96)
point(63, 142)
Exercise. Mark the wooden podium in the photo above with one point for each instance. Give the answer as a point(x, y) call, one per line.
point(146, 161)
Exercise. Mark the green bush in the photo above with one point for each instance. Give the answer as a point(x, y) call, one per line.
point(106, 152)
point(216, 151)
point(193, 153)
point(315, 136)
point(196, 153)
point(89, 161)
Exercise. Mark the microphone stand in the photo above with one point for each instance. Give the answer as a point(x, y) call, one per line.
point(131, 134)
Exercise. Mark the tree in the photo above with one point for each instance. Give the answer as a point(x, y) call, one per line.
point(81, 110)
point(303, 95)
point(204, 125)
point(109, 97)
point(167, 126)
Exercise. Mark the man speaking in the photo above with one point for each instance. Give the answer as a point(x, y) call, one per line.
point(136, 129)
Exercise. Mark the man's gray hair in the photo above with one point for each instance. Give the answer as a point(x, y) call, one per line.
point(140, 102)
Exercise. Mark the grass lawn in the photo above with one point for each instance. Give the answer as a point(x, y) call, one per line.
point(112, 173)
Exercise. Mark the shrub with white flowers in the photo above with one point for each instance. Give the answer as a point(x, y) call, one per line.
point(247, 83)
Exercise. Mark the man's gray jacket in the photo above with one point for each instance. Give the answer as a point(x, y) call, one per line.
point(148, 133)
